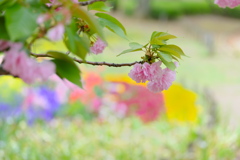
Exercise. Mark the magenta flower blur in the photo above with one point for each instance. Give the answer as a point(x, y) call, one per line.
point(98, 46)
point(227, 3)
point(137, 73)
point(56, 33)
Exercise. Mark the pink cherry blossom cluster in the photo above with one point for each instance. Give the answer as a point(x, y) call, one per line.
point(159, 79)
point(227, 3)
point(19, 64)
point(98, 46)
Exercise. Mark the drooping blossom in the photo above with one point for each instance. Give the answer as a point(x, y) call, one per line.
point(56, 33)
point(19, 64)
point(163, 81)
point(151, 71)
point(98, 46)
point(4, 45)
point(159, 79)
point(137, 73)
point(227, 3)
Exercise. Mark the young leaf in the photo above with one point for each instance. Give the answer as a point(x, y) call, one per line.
point(160, 38)
point(99, 6)
point(77, 45)
point(169, 65)
point(165, 56)
point(172, 49)
point(134, 46)
point(66, 68)
point(20, 22)
point(112, 24)
point(81, 13)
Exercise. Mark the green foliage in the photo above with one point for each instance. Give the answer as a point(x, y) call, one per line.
point(99, 6)
point(66, 68)
point(165, 9)
point(81, 13)
point(3, 31)
point(77, 45)
point(20, 22)
point(112, 24)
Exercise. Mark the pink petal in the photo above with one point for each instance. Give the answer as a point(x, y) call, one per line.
point(98, 46)
point(56, 33)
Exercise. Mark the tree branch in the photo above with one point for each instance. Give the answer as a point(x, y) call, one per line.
point(92, 63)
point(90, 2)
point(3, 72)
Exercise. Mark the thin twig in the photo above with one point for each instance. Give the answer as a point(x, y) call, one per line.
point(92, 63)
point(90, 2)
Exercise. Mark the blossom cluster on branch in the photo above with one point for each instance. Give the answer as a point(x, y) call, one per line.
point(81, 31)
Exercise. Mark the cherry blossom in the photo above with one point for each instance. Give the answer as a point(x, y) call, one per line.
point(19, 64)
point(56, 33)
point(137, 73)
point(98, 46)
point(152, 70)
point(227, 3)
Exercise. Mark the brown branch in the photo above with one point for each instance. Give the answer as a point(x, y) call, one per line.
point(3, 72)
point(90, 2)
point(92, 63)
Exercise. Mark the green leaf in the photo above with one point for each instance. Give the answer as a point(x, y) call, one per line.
point(112, 24)
point(172, 49)
point(134, 46)
point(169, 65)
point(66, 68)
point(83, 14)
point(167, 57)
point(160, 38)
point(20, 22)
point(99, 6)
point(77, 45)
point(3, 31)
point(6, 3)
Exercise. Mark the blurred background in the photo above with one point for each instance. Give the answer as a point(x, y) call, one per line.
point(114, 118)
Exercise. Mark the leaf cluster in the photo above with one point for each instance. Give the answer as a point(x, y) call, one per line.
point(157, 49)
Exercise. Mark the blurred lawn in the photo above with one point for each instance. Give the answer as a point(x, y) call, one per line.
point(122, 140)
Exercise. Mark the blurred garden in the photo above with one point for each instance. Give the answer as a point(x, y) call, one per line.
point(114, 118)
